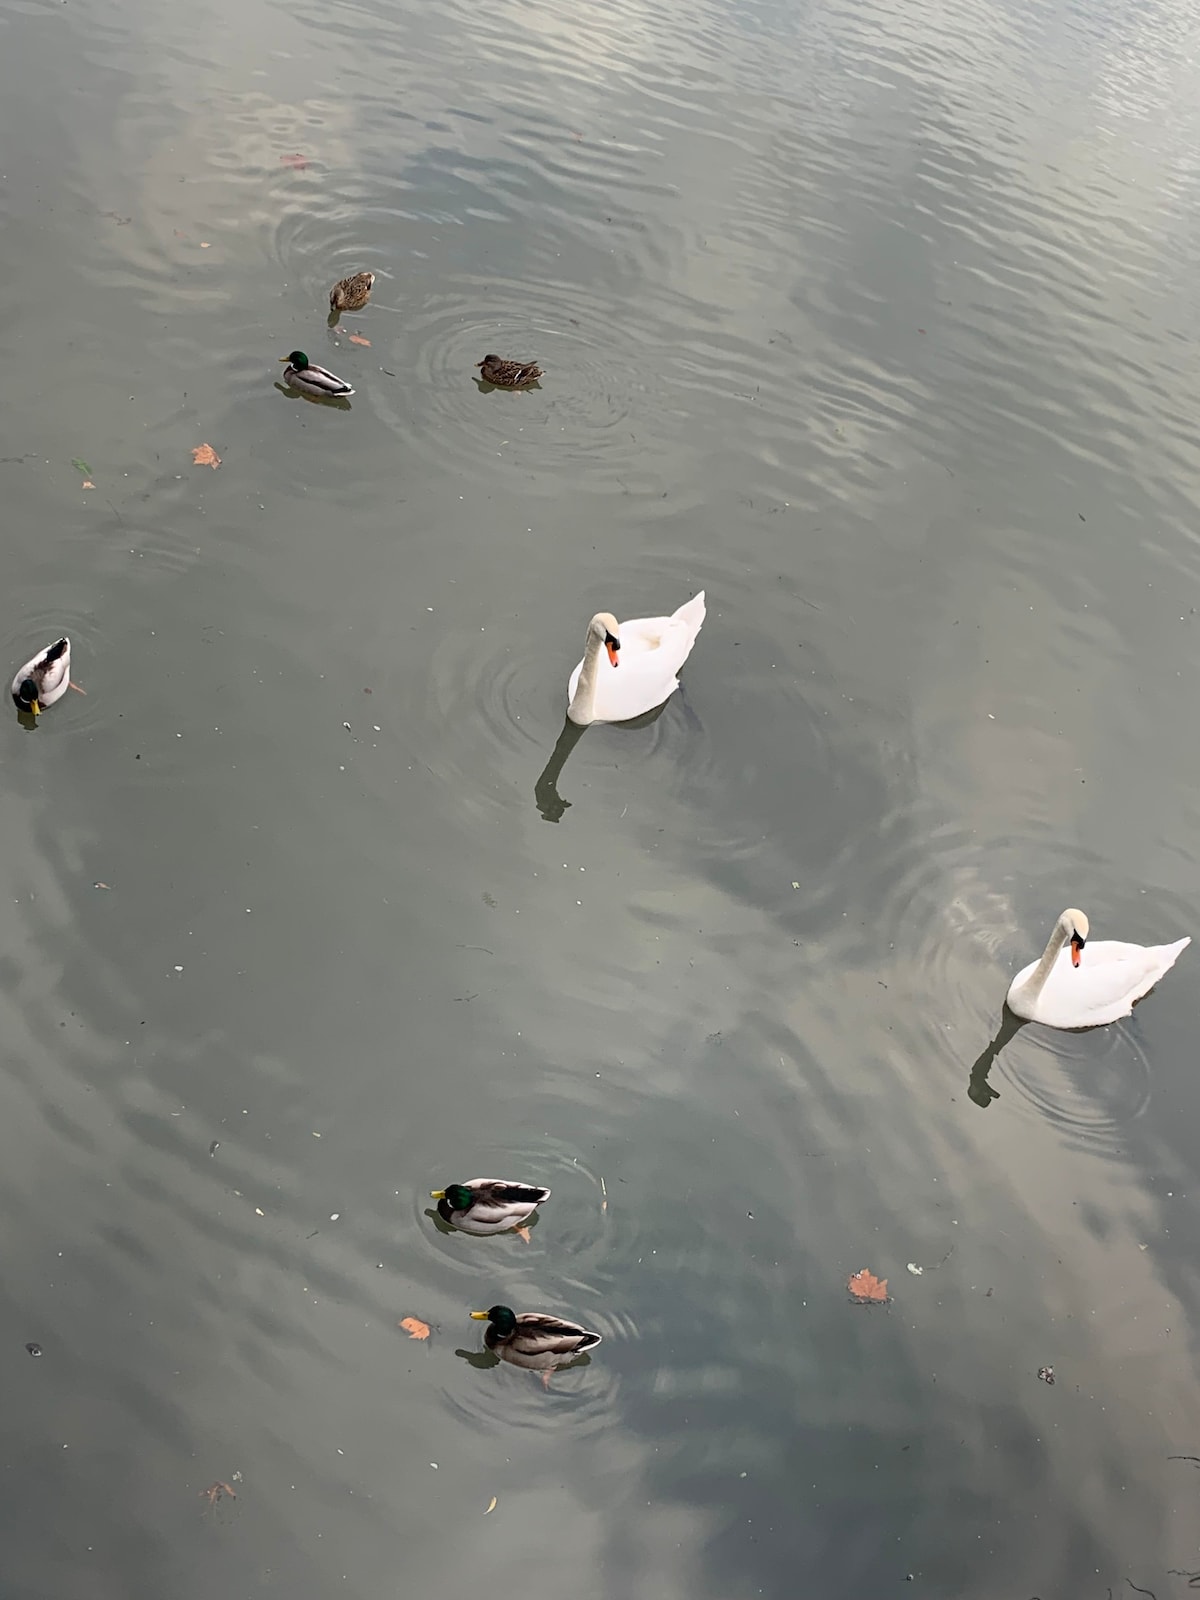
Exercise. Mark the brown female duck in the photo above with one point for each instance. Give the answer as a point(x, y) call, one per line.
point(508, 374)
point(352, 294)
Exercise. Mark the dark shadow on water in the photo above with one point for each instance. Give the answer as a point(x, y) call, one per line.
point(549, 802)
point(690, 717)
point(480, 1359)
point(485, 387)
point(545, 791)
point(330, 402)
point(978, 1087)
point(485, 1359)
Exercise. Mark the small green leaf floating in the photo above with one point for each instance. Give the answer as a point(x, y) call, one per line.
point(81, 466)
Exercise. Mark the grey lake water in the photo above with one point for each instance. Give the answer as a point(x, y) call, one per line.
point(879, 324)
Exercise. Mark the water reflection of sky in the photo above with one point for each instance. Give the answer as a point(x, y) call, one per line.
point(877, 326)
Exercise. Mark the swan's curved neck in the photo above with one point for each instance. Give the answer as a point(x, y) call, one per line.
point(1034, 984)
point(583, 705)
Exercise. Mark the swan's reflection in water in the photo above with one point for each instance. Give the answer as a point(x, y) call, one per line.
point(978, 1087)
point(549, 802)
point(545, 791)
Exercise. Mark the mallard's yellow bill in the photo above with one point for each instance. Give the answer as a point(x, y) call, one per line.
point(437, 1194)
point(35, 708)
point(479, 1316)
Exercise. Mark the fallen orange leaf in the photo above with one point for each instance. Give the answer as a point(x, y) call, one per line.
point(295, 160)
point(203, 455)
point(357, 338)
point(414, 1327)
point(865, 1286)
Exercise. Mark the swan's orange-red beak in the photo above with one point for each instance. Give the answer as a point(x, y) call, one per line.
point(612, 651)
point(1076, 947)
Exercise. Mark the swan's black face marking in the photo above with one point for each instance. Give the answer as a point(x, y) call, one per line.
point(612, 646)
point(1077, 944)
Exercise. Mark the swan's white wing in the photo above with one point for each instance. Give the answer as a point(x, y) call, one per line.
point(1110, 977)
point(652, 651)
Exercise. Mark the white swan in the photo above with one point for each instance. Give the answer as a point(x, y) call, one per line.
point(1074, 987)
point(638, 672)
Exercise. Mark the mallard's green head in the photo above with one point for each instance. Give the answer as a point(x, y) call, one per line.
point(297, 359)
point(28, 696)
point(502, 1318)
point(456, 1195)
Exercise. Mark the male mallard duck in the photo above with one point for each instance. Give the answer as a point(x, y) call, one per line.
point(306, 376)
point(43, 680)
point(488, 1205)
point(535, 1339)
point(508, 374)
point(352, 294)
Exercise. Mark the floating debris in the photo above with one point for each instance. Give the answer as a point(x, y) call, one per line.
point(867, 1288)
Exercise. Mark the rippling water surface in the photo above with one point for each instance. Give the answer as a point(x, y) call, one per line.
point(878, 324)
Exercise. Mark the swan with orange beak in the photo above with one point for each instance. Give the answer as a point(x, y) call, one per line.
point(1082, 984)
point(629, 668)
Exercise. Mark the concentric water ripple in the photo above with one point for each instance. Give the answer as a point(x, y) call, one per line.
point(1091, 1086)
point(588, 420)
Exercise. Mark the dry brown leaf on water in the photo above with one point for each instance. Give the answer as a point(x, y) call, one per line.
point(491, 1505)
point(215, 1491)
point(414, 1327)
point(203, 455)
point(204, 245)
point(865, 1286)
point(87, 484)
point(357, 338)
point(296, 161)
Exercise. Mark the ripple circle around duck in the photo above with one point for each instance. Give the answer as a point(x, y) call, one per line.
point(593, 415)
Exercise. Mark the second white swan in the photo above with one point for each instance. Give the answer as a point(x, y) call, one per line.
point(1077, 984)
point(637, 671)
